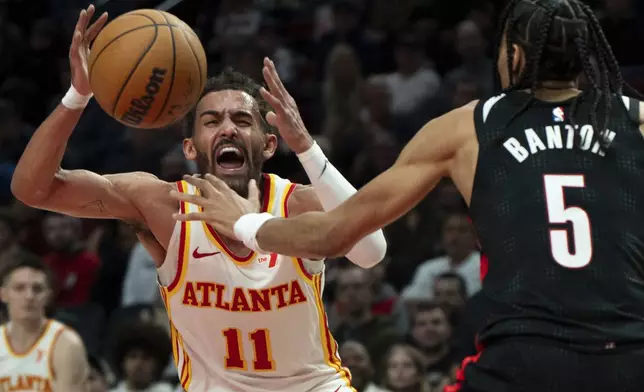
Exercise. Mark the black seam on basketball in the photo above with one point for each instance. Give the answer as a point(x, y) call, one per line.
point(107, 45)
point(196, 58)
point(136, 65)
point(174, 69)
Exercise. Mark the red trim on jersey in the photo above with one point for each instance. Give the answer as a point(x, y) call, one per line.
point(460, 373)
point(265, 203)
point(300, 263)
point(484, 266)
point(182, 241)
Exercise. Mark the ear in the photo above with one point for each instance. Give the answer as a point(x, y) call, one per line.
point(189, 150)
point(270, 145)
point(3, 295)
point(518, 60)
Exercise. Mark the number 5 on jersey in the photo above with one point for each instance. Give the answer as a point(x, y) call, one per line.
point(260, 339)
point(558, 213)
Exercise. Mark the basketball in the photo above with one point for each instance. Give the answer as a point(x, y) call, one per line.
point(147, 69)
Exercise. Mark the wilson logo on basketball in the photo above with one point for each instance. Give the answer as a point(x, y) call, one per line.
point(140, 107)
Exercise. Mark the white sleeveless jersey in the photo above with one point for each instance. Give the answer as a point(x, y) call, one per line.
point(252, 322)
point(30, 370)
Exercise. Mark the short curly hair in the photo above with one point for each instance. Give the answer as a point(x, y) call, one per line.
point(147, 337)
point(229, 79)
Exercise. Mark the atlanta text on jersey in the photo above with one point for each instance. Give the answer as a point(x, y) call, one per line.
point(209, 295)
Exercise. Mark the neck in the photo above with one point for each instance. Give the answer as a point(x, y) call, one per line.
point(24, 333)
point(436, 354)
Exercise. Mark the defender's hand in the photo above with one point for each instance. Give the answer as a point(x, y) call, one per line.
point(221, 206)
point(286, 117)
point(79, 49)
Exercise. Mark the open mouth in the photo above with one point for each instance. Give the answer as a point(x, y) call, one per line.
point(230, 158)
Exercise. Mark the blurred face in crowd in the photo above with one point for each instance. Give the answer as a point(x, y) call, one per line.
point(26, 292)
point(448, 292)
point(228, 140)
point(464, 93)
point(431, 329)
point(355, 356)
point(96, 382)
point(353, 290)
point(470, 43)
point(61, 232)
point(402, 372)
point(408, 58)
point(139, 369)
point(344, 66)
point(377, 99)
point(458, 237)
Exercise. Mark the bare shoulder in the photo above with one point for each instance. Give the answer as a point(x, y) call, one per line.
point(303, 199)
point(444, 136)
point(69, 347)
point(69, 361)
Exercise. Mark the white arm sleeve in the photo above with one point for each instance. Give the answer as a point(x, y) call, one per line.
point(332, 189)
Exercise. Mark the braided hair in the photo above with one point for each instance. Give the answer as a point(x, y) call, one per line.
point(561, 39)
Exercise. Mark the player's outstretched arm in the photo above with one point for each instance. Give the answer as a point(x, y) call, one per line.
point(69, 363)
point(329, 187)
point(423, 162)
point(39, 181)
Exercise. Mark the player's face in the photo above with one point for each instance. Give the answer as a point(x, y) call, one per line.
point(228, 139)
point(26, 294)
point(431, 328)
point(401, 370)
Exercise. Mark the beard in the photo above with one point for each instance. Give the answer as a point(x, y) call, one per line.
point(238, 181)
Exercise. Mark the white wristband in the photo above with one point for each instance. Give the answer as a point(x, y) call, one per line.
point(246, 229)
point(74, 100)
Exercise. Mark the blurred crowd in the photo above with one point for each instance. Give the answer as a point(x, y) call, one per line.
point(366, 74)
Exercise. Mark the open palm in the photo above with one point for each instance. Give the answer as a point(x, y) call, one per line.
point(79, 49)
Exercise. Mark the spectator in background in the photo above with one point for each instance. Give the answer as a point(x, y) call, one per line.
point(355, 356)
point(413, 82)
point(450, 293)
point(431, 333)
point(270, 42)
point(96, 380)
point(354, 299)
point(142, 352)
point(386, 301)
point(9, 247)
point(459, 243)
point(140, 284)
point(15, 133)
point(238, 21)
point(74, 268)
point(404, 370)
point(472, 48)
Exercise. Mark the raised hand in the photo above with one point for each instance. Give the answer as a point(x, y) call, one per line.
point(221, 206)
point(286, 116)
point(79, 49)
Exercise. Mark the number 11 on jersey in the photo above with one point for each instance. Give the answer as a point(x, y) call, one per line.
point(558, 213)
point(260, 339)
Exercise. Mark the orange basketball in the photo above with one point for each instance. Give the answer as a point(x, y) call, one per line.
point(147, 68)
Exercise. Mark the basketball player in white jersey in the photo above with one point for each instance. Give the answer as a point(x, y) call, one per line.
point(36, 354)
point(240, 320)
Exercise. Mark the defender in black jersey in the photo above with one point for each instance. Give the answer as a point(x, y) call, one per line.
point(554, 177)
